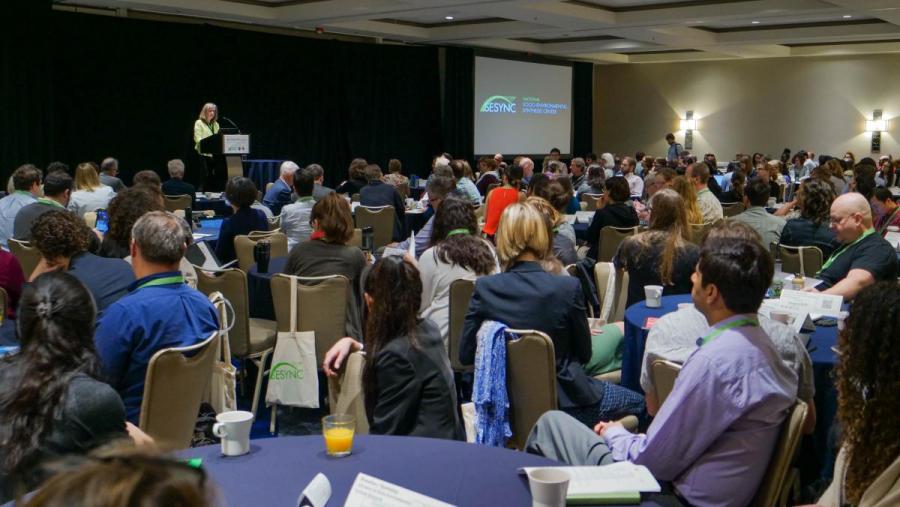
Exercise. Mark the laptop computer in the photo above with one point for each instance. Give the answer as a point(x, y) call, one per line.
point(199, 254)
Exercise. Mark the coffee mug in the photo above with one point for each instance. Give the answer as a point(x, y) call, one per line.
point(653, 295)
point(234, 430)
point(548, 487)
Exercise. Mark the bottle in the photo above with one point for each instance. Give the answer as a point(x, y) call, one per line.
point(368, 239)
point(798, 283)
point(261, 254)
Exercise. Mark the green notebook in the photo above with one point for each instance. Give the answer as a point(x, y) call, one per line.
point(625, 497)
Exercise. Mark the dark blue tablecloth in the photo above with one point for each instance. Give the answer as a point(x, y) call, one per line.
point(8, 333)
point(277, 470)
point(259, 288)
point(262, 171)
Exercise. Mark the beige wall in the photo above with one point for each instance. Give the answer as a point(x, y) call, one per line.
point(764, 105)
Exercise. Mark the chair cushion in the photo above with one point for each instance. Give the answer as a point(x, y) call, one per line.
point(262, 335)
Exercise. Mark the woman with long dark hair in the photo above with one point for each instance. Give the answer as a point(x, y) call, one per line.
point(407, 383)
point(814, 200)
point(52, 402)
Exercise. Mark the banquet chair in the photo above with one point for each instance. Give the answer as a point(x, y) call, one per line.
point(27, 255)
point(244, 245)
point(345, 392)
point(175, 383)
point(90, 219)
point(696, 232)
point(530, 380)
point(800, 259)
point(610, 239)
point(380, 219)
point(356, 239)
point(591, 201)
point(731, 209)
point(663, 374)
point(249, 338)
point(612, 289)
point(460, 295)
point(176, 202)
point(275, 223)
point(4, 302)
point(777, 483)
point(354, 198)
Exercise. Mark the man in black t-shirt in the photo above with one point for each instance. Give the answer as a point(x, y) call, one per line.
point(864, 257)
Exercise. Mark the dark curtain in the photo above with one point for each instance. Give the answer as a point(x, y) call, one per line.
point(459, 94)
point(133, 89)
point(582, 108)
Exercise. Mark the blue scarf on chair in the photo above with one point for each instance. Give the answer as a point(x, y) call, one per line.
point(489, 391)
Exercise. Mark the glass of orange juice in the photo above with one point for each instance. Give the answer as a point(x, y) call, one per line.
point(338, 431)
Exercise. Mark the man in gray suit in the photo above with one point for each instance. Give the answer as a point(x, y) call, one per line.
point(319, 190)
point(109, 168)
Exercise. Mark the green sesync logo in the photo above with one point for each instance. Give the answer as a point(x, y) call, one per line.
point(286, 371)
point(499, 104)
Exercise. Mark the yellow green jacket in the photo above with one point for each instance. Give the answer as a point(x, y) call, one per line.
point(202, 130)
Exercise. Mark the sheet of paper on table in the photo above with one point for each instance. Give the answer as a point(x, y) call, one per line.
point(804, 307)
point(584, 217)
point(368, 491)
point(390, 251)
point(618, 477)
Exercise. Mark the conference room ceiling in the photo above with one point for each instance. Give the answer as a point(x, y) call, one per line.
point(602, 31)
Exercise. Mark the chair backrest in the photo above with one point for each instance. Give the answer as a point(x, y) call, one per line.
point(610, 239)
point(177, 202)
point(732, 209)
point(770, 489)
point(663, 374)
point(590, 201)
point(530, 380)
point(321, 307)
point(232, 283)
point(354, 198)
point(801, 259)
point(380, 219)
point(90, 219)
point(243, 247)
point(356, 240)
point(173, 388)
point(4, 301)
point(460, 295)
point(345, 392)
point(275, 223)
point(27, 255)
point(696, 234)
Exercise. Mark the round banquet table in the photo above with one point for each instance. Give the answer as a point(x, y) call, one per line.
point(277, 469)
point(259, 288)
point(580, 230)
point(218, 206)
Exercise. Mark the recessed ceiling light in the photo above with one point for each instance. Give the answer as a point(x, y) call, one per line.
point(448, 18)
point(754, 22)
point(847, 16)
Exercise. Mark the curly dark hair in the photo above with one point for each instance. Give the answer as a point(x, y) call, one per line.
point(467, 251)
point(396, 290)
point(814, 200)
point(124, 210)
point(59, 233)
point(868, 382)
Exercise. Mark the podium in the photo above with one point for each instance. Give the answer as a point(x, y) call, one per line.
point(229, 146)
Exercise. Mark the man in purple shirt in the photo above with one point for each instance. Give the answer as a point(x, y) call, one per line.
point(714, 435)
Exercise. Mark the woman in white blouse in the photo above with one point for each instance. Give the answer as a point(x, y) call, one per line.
point(89, 194)
point(457, 252)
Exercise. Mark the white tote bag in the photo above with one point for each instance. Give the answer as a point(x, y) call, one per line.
point(293, 378)
point(222, 394)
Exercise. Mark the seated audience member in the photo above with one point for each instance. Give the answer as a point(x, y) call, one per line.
point(89, 194)
point(26, 182)
point(279, 194)
point(407, 382)
point(489, 175)
point(295, 217)
point(593, 183)
point(735, 192)
point(176, 185)
point(613, 210)
point(465, 186)
point(378, 194)
point(710, 207)
point(241, 193)
point(688, 194)
point(834, 170)
point(124, 210)
point(57, 191)
point(327, 253)
point(864, 257)
point(11, 280)
point(548, 303)
point(437, 189)
point(499, 198)
point(527, 166)
point(148, 178)
point(356, 178)
point(663, 254)
point(577, 172)
point(63, 241)
point(53, 401)
point(735, 387)
point(814, 200)
point(160, 311)
point(713, 183)
point(867, 470)
point(458, 254)
point(394, 177)
point(635, 183)
point(319, 190)
point(126, 475)
point(554, 194)
point(769, 175)
point(766, 224)
point(886, 209)
point(574, 205)
point(109, 170)
point(563, 247)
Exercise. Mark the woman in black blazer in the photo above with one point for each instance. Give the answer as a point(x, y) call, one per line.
point(525, 296)
point(407, 382)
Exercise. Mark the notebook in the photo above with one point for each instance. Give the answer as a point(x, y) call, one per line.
point(618, 483)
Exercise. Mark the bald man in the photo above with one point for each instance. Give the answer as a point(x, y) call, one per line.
point(865, 256)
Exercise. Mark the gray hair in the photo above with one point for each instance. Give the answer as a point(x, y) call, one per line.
point(288, 168)
point(578, 161)
point(316, 171)
point(176, 168)
point(440, 186)
point(443, 170)
point(162, 237)
point(109, 164)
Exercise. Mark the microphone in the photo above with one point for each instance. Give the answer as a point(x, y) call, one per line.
point(233, 124)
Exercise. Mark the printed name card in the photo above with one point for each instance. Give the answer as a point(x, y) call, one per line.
point(367, 491)
point(813, 303)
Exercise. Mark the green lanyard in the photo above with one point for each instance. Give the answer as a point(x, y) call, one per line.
point(454, 232)
point(305, 199)
point(49, 202)
point(843, 249)
point(887, 220)
point(29, 194)
point(166, 280)
point(701, 192)
point(731, 325)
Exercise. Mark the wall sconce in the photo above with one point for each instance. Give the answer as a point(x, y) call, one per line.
point(876, 126)
point(688, 125)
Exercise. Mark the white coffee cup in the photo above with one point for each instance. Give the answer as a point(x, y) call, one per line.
point(653, 295)
point(234, 430)
point(548, 487)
